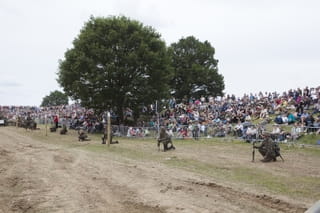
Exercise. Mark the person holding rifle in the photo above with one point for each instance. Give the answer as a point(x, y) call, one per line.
point(268, 149)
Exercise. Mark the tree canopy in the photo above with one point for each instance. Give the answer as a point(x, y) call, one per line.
point(195, 69)
point(55, 98)
point(115, 63)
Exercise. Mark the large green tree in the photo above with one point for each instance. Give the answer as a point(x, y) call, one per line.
point(195, 69)
point(116, 63)
point(55, 98)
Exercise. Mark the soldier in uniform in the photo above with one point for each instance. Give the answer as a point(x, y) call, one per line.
point(105, 137)
point(268, 149)
point(64, 130)
point(82, 135)
point(28, 121)
point(195, 130)
point(165, 139)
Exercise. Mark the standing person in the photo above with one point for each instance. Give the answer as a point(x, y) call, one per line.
point(195, 130)
point(56, 121)
point(28, 121)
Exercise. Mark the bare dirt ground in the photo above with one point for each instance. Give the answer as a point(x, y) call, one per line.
point(37, 176)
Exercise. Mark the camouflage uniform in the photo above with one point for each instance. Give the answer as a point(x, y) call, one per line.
point(82, 135)
point(165, 139)
point(105, 137)
point(195, 131)
point(268, 150)
point(64, 130)
point(27, 123)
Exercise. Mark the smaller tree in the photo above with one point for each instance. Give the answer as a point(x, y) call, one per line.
point(195, 69)
point(54, 99)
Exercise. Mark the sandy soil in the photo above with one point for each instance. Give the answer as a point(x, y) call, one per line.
point(42, 177)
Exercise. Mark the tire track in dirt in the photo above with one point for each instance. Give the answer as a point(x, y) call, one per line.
point(265, 200)
point(107, 187)
point(17, 184)
point(42, 178)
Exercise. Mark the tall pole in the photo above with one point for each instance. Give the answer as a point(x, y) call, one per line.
point(158, 119)
point(109, 129)
point(17, 121)
point(45, 120)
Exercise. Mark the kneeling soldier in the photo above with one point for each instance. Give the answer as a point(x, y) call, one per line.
point(82, 135)
point(165, 139)
point(64, 130)
point(268, 149)
point(105, 137)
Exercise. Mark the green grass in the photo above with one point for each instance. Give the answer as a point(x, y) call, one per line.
point(290, 186)
point(309, 139)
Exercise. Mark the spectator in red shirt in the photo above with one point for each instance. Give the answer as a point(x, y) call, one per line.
point(56, 120)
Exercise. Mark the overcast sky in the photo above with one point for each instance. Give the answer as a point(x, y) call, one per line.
point(262, 45)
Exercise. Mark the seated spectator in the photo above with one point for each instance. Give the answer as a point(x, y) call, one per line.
point(220, 131)
point(284, 118)
point(309, 123)
point(183, 132)
point(251, 133)
point(303, 117)
point(291, 118)
point(275, 134)
point(296, 131)
point(131, 132)
point(238, 129)
point(316, 108)
point(316, 124)
point(278, 120)
point(139, 132)
point(203, 129)
point(264, 113)
point(228, 128)
point(247, 117)
point(146, 132)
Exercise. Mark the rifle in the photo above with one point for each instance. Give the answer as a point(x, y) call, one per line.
point(281, 157)
point(277, 149)
point(253, 150)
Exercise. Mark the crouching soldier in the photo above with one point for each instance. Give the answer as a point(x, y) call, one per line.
point(64, 130)
point(165, 139)
point(82, 135)
point(269, 149)
point(105, 137)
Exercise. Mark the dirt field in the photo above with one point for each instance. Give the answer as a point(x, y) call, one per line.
point(57, 173)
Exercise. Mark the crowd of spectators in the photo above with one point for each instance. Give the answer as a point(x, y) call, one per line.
point(244, 117)
point(73, 116)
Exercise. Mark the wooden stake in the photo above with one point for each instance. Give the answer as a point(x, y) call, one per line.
point(45, 120)
point(109, 129)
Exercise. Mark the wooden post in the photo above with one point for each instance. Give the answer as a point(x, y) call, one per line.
point(104, 132)
point(45, 120)
point(158, 120)
point(109, 129)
